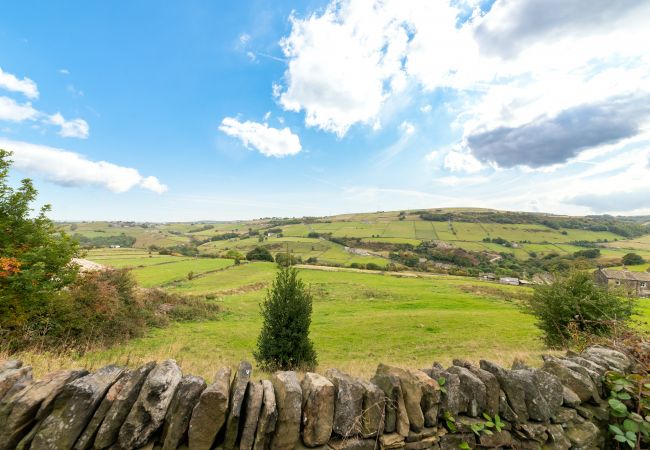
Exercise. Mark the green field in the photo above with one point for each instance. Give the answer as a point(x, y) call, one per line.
point(359, 319)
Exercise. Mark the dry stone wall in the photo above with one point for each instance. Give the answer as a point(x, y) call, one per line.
point(557, 406)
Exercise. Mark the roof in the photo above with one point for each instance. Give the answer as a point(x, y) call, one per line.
point(625, 275)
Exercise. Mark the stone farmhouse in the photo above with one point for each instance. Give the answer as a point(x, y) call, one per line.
point(637, 283)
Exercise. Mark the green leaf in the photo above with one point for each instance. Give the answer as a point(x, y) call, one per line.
point(630, 435)
point(489, 424)
point(616, 430)
point(630, 426)
point(617, 406)
point(488, 432)
point(486, 416)
point(441, 381)
point(464, 446)
point(620, 438)
point(624, 396)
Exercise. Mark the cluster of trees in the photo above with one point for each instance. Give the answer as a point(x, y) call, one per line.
point(45, 301)
point(104, 241)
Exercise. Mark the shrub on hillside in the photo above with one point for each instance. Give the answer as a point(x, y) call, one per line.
point(591, 253)
point(632, 259)
point(103, 308)
point(287, 259)
point(259, 254)
point(34, 255)
point(574, 305)
point(283, 343)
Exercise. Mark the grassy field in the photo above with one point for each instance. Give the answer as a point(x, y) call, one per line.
point(359, 319)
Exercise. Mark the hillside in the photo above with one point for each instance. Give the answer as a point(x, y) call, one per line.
point(433, 240)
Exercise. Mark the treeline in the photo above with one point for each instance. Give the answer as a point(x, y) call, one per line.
point(622, 226)
point(104, 241)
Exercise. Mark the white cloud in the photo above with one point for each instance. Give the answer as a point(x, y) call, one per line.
point(407, 127)
point(267, 140)
point(425, 109)
point(12, 111)
point(12, 83)
point(76, 128)
point(457, 160)
point(72, 169)
point(64, 71)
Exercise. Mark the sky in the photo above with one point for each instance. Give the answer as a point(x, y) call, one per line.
point(215, 110)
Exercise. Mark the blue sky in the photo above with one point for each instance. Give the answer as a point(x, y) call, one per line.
point(141, 110)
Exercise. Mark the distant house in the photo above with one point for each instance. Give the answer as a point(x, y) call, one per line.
point(509, 280)
point(487, 276)
point(637, 283)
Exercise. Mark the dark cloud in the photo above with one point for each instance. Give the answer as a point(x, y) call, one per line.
point(511, 25)
point(547, 141)
point(616, 202)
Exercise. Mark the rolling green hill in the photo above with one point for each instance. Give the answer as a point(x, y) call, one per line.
point(437, 239)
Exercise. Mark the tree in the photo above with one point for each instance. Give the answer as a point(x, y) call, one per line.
point(632, 259)
point(34, 254)
point(259, 254)
point(574, 304)
point(287, 258)
point(283, 343)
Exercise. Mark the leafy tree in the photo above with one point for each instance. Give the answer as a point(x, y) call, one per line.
point(259, 254)
point(283, 343)
point(287, 258)
point(574, 305)
point(632, 259)
point(591, 253)
point(34, 255)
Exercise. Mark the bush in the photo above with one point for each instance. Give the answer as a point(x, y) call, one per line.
point(574, 306)
point(104, 308)
point(591, 253)
point(632, 259)
point(283, 343)
point(35, 256)
point(259, 254)
point(285, 259)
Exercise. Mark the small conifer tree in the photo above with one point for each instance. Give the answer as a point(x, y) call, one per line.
point(283, 343)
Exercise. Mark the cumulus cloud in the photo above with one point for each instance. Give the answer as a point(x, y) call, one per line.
point(76, 128)
point(553, 140)
point(457, 160)
point(67, 168)
point(12, 111)
point(12, 83)
point(512, 25)
point(267, 140)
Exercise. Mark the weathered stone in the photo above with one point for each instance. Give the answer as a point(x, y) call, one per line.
point(614, 360)
point(423, 434)
point(18, 414)
point(301, 446)
point(115, 416)
point(531, 430)
point(525, 444)
point(209, 414)
point(581, 384)
point(452, 400)
point(396, 419)
point(497, 439)
point(582, 435)
point(426, 443)
point(255, 396)
point(87, 437)
point(511, 386)
point(472, 389)
point(454, 441)
point(431, 394)
point(237, 393)
point(505, 410)
point(391, 440)
point(317, 409)
point(268, 418)
point(374, 409)
point(564, 415)
point(589, 364)
point(557, 438)
point(551, 389)
point(348, 403)
point(73, 408)
point(288, 398)
point(536, 404)
point(148, 411)
point(180, 409)
point(352, 444)
point(595, 377)
point(10, 377)
point(490, 382)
